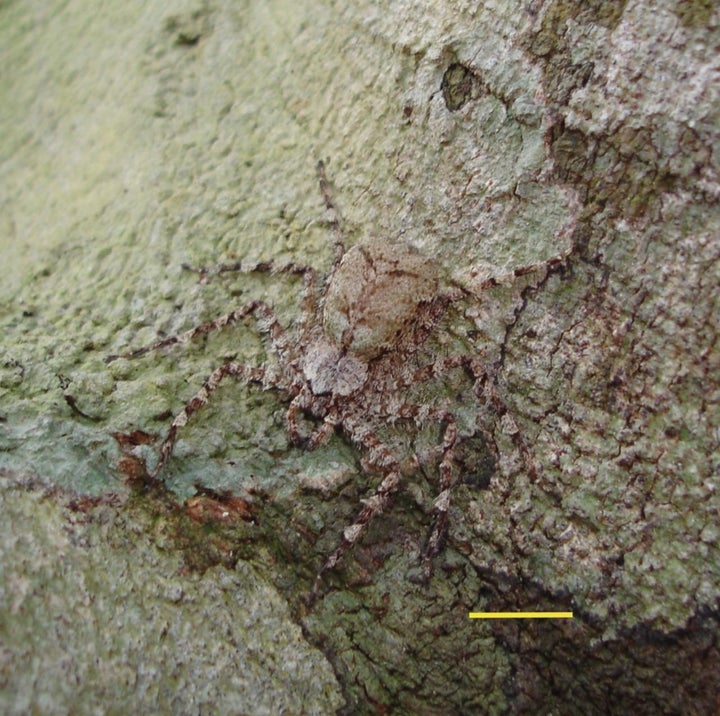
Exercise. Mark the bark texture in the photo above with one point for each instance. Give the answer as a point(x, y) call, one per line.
point(489, 136)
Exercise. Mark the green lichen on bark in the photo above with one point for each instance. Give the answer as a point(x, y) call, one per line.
point(143, 138)
point(98, 615)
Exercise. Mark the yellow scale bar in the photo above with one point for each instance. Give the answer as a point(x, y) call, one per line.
point(521, 615)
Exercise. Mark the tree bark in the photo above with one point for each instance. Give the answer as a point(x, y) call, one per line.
point(575, 138)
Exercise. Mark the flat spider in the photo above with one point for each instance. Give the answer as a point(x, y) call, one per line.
point(350, 362)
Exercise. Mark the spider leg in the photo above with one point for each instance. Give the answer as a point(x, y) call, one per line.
point(302, 401)
point(548, 265)
point(423, 415)
point(442, 502)
point(247, 373)
point(441, 366)
point(381, 457)
point(476, 369)
point(509, 425)
point(308, 273)
point(334, 220)
point(263, 314)
point(417, 332)
point(333, 214)
point(483, 384)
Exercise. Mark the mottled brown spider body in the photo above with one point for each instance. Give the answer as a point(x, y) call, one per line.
point(350, 362)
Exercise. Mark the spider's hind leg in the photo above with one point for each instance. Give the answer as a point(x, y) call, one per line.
point(308, 274)
point(334, 220)
point(263, 314)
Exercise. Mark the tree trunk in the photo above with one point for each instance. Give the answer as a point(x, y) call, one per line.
point(555, 162)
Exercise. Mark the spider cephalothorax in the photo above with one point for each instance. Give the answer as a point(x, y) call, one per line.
point(350, 363)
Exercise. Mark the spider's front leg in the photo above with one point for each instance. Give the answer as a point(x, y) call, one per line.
point(484, 385)
point(305, 400)
point(247, 373)
point(423, 415)
point(381, 457)
point(267, 322)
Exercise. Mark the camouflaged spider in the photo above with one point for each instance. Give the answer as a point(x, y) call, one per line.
point(350, 363)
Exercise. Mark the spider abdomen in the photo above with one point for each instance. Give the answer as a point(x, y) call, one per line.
point(374, 293)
